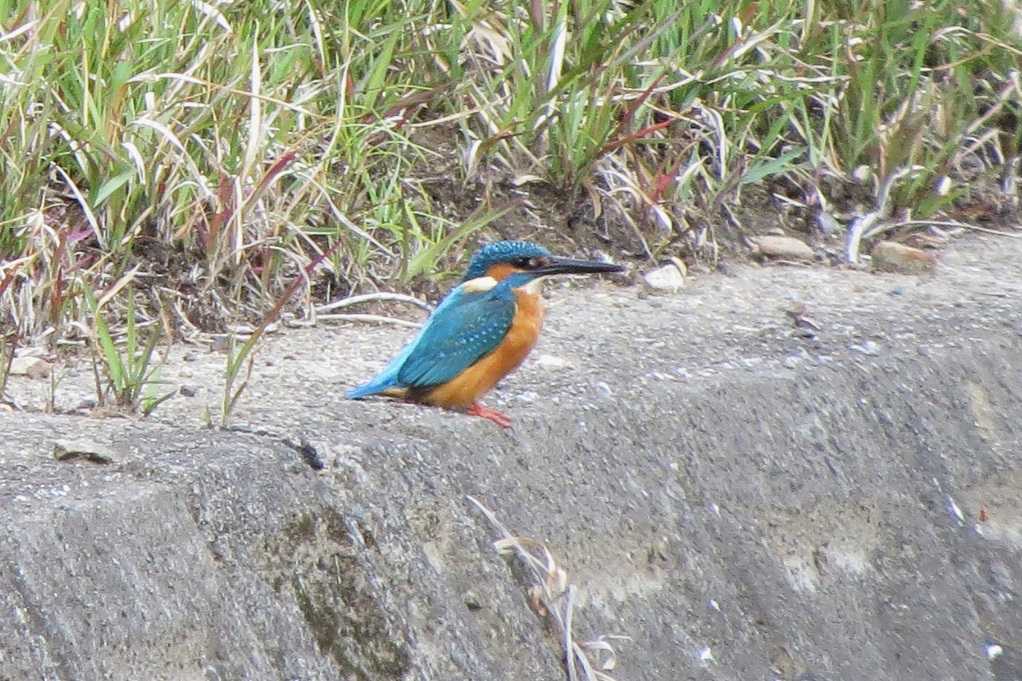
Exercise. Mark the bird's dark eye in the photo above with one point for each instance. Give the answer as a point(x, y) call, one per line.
point(534, 263)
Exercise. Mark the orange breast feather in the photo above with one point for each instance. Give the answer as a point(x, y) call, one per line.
point(467, 387)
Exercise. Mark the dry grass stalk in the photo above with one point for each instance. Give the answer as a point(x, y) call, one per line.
point(552, 598)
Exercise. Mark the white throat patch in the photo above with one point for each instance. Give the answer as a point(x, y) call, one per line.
point(478, 285)
point(534, 287)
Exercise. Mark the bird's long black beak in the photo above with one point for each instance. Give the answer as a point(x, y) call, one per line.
point(558, 265)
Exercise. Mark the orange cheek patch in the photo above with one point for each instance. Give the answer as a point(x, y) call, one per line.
point(500, 271)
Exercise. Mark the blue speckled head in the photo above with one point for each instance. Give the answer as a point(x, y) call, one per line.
point(502, 251)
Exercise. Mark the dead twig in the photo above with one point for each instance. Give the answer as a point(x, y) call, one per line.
point(865, 225)
point(373, 298)
point(551, 596)
point(954, 223)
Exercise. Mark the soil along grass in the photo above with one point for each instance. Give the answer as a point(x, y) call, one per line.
point(195, 157)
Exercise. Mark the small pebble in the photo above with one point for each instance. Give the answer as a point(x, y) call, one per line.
point(472, 601)
point(94, 452)
point(890, 256)
point(88, 404)
point(667, 278)
point(33, 367)
point(867, 348)
point(785, 247)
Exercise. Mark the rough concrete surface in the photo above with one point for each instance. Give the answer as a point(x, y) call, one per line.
point(742, 497)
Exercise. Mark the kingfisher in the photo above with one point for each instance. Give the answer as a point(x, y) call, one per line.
point(480, 332)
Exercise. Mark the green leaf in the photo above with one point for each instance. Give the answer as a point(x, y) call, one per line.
point(378, 73)
point(426, 258)
point(111, 358)
point(764, 169)
point(108, 188)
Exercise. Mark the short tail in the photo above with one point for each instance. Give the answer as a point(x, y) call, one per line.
point(373, 387)
point(383, 384)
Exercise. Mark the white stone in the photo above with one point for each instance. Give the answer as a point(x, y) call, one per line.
point(666, 278)
point(33, 367)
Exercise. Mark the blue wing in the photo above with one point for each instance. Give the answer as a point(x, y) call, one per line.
point(457, 335)
point(463, 328)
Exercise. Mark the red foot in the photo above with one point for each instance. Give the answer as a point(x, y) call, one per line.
point(489, 414)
